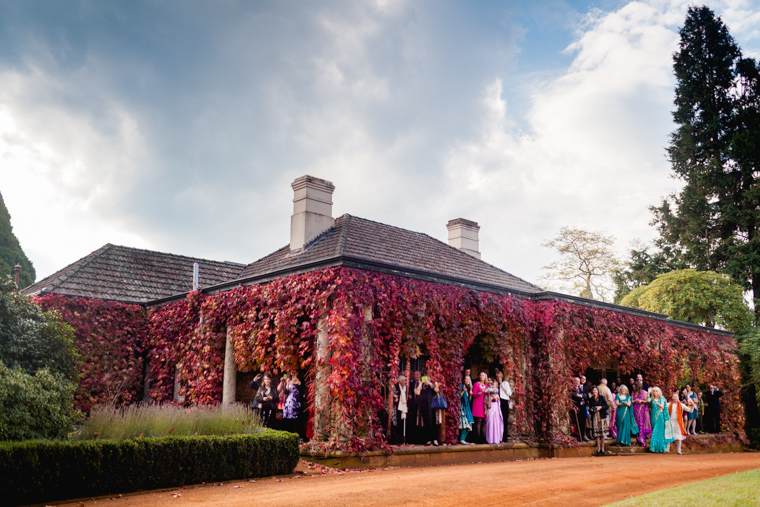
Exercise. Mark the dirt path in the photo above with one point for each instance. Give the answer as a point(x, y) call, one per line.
point(571, 481)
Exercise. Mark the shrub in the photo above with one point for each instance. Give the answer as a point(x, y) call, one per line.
point(35, 406)
point(162, 420)
point(39, 471)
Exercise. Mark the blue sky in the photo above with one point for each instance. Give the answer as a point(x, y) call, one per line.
point(179, 125)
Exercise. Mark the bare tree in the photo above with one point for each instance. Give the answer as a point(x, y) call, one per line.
point(586, 266)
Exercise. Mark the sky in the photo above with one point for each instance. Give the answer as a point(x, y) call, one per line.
point(179, 125)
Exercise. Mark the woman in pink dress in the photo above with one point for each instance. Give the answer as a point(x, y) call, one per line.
point(478, 408)
point(494, 418)
point(641, 413)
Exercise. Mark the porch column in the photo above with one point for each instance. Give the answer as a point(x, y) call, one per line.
point(229, 383)
point(322, 398)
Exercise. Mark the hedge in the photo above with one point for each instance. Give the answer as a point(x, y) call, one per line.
point(37, 471)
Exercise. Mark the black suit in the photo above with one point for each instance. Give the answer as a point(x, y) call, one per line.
point(580, 402)
point(712, 410)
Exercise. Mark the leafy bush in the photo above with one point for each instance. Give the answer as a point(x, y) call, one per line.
point(39, 471)
point(35, 406)
point(33, 339)
point(163, 420)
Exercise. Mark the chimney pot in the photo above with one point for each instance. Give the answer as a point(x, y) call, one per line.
point(312, 210)
point(463, 235)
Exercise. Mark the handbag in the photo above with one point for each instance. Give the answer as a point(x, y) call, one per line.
point(439, 402)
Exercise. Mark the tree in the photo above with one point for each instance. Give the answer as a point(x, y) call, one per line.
point(706, 298)
point(11, 252)
point(712, 224)
point(586, 265)
point(645, 262)
point(38, 369)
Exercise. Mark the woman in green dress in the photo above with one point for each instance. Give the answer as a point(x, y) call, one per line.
point(662, 430)
point(624, 419)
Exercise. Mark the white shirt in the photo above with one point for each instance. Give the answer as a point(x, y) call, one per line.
point(504, 390)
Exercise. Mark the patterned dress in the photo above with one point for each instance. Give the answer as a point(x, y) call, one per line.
point(465, 414)
point(641, 414)
point(662, 431)
point(292, 403)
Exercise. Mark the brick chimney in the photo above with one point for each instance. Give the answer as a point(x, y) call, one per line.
point(312, 210)
point(463, 235)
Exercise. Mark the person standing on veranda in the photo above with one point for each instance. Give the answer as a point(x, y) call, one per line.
point(676, 410)
point(505, 395)
point(662, 430)
point(624, 419)
point(478, 408)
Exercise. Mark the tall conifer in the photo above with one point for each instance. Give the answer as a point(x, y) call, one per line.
point(11, 252)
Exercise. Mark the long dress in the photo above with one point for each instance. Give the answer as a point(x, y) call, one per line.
point(292, 403)
point(494, 422)
point(598, 416)
point(465, 414)
point(662, 431)
point(625, 421)
point(641, 414)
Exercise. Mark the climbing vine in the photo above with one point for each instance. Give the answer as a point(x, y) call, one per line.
point(109, 336)
point(371, 320)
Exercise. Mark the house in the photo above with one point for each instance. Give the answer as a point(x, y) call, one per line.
point(549, 334)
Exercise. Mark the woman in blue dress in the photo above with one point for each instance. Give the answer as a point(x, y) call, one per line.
point(624, 419)
point(662, 430)
point(465, 413)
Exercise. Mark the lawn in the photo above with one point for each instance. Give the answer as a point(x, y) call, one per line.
point(735, 490)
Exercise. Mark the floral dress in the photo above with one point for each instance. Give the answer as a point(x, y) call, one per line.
point(292, 403)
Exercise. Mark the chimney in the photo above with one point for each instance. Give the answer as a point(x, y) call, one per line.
point(463, 235)
point(312, 210)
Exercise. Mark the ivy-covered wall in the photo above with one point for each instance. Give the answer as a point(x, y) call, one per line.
point(110, 337)
point(370, 320)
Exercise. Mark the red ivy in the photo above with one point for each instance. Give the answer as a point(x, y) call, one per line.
point(109, 337)
point(373, 319)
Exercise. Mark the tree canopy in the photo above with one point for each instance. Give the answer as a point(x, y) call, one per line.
point(586, 265)
point(712, 224)
point(11, 252)
point(701, 297)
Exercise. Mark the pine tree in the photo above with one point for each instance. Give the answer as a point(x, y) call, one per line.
point(713, 224)
point(11, 252)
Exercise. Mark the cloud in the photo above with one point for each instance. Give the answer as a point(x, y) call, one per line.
point(179, 126)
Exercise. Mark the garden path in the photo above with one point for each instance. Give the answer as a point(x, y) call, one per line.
point(547, 482)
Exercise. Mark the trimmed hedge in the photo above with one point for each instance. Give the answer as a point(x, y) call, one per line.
point(40, 470)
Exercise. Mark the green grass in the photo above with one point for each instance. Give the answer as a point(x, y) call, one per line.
point(735, 490)
point(162, 420)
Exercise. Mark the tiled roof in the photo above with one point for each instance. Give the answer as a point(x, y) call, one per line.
point(357, 238)
point(133, 275)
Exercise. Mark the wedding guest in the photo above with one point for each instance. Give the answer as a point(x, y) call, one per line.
point(675, 410)
point(640, 378)
point(424, 393)
point(266, 401)
point(505, 395)
point(662, 430)
point(641, 412)
point(597, 406)
point(465, 413)
point(494, 418)
point(605, 391)
point(700, 412)
point(624, 418)
point(412, 431)
point(579, 398)
point(691, 417)
point(400, 409)
point(478, 408)
point(292, 405)
point(712, 409)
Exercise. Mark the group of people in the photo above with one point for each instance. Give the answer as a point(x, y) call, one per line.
point(417, 412)
point(279, 407)
point(484, 409)
point(419, 406)
point(642, 412)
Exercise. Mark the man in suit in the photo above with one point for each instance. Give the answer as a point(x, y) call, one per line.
point(412, 430)
point(640, 378)
point(712, 409)
point(580, 400)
